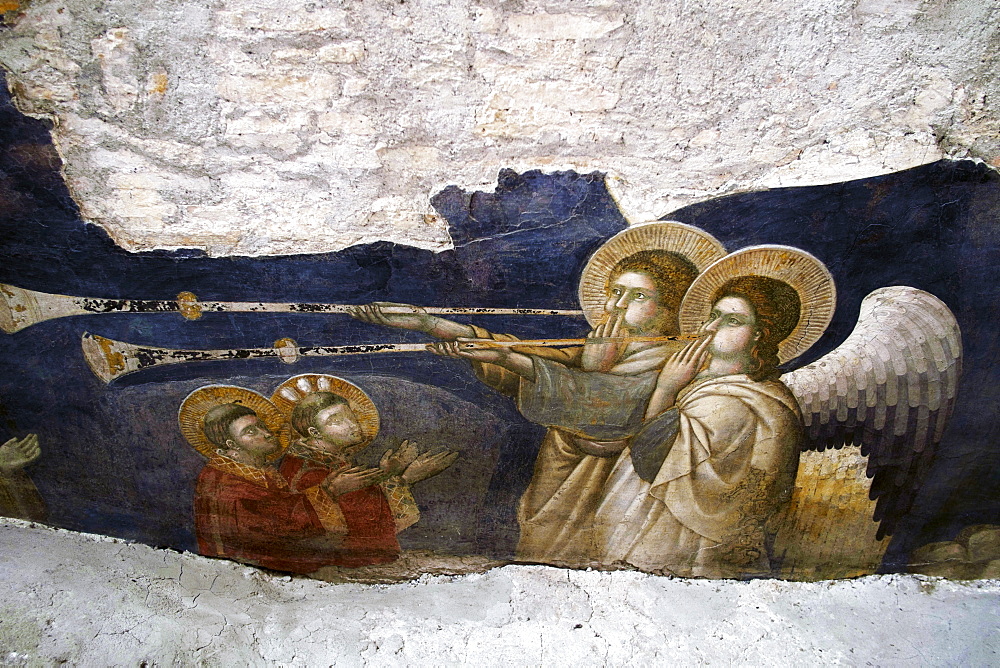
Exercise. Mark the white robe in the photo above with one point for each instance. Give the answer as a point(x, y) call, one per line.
point(556, 512)
point(730, 468)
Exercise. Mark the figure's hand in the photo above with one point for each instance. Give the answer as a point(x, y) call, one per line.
point(681, 367)
point(16, 454)
point(428, 464)
point(602, 355)
point(455, 349)
point(417, 319)
point(395, 462)
point(351, 480)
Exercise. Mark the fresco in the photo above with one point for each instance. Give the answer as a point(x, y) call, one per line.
point(792, 383)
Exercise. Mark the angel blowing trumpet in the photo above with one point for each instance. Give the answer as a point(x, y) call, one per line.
point(674, 418)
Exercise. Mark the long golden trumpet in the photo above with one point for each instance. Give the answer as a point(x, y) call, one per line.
point(20, 308)
point(110, 359)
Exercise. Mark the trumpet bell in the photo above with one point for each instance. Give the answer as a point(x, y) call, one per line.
point(109, 359)
point(20, 308)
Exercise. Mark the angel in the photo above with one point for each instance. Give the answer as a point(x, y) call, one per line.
point(874, 412)
point(590, 397)
point(714, 472)
point(363, 507)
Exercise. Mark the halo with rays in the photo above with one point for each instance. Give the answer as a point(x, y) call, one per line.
point(293, 390)
point(698, 246)
point(802, 271)
point(191, 415)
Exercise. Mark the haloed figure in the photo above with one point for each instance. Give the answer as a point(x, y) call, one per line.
point(244, 509)
point(364, 507)
point(637, 292)
point(644, 293)
point(240, 435)
point(718, 454)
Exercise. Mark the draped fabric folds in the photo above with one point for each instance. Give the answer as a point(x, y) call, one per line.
point(589, 416)
point(730, 468)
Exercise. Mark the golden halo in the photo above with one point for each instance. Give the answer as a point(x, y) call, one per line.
point(803, 272)
point(296, 388)
point(196, 405)
point(698, 246)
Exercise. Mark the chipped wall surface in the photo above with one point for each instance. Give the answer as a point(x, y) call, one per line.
point(90, 601)
point(257, 127)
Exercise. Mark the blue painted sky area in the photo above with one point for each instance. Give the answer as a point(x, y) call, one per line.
point(114, 462)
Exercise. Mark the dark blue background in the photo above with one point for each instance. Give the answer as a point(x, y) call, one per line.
point(932, 227)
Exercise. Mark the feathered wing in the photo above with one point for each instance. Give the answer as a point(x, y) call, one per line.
point(886, 392)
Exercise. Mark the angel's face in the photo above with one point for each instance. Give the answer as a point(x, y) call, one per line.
point(633, 295)
point(733, 326)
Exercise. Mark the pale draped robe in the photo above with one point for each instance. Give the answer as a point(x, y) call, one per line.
point(581, 446)
point(730, 468)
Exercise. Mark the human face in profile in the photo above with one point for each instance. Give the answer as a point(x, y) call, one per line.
point(633, 297)
point(733, 326)
point(251, 435)
point(338, 429)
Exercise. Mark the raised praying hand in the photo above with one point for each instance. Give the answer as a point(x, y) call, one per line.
point(394, 462)
point(428, 464)
point(16, 454)
point(351, 480)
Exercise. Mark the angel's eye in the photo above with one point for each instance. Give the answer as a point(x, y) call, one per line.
point(640, 295)
point(616, 292)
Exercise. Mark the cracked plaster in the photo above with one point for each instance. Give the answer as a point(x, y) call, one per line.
point(257, 127)
point(89, 600)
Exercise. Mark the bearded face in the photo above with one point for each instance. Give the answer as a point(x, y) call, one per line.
point(633, 295)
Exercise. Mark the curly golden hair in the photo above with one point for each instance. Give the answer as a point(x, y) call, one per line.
point(305, 412)
point(776, 308)
point(671, 273)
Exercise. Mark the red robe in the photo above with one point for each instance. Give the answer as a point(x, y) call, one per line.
point(250, 515)
point(364, 518)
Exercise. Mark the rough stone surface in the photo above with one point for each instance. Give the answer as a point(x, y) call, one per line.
point(88, 600)
point(256, 126)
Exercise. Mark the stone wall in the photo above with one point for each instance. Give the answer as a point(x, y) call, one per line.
point(257, 127)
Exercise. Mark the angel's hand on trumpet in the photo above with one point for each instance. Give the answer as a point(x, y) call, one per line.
point(464, 349)
point(678, 371)
point(605, 344)
point(412, 317)
point(375, 313)
point(16, 454)
point(484, 351)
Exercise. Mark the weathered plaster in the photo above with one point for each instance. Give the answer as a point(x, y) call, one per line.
point(256, 127)
point(89, 600)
